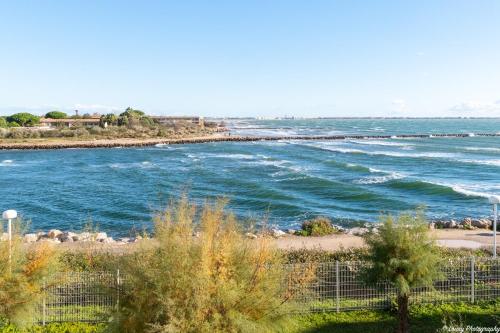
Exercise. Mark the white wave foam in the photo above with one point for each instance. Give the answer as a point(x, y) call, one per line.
point(468, 190)
point(381, 143)
point(469, 193)
point(7, 163)
point(337, 149)
point(141, 165)
point(403, 154)
point(489, 149)
point(495, 162)
point(380, 179)
point(233, 156)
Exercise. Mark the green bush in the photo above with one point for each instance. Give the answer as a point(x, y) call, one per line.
point(56, 115)
point(429, 318)
point(132, 113)
point(3, 122)
point(55, 328)
point(318, 255)
point(110, 119)
point(24, 119)
point(319, 226)
point(404, 254)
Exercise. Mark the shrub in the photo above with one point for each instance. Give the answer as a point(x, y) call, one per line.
point(55, 328)
point(3, 122)
point(24, 119)
point(402, 253)
point(22, 278)
point(130, 112)
point(80, 132)
point(319, 226)
point(318, 255)
point(216, 281)
point(110, 119)
point(304, 255)
point(56, 115)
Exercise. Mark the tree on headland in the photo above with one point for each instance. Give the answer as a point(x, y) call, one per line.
point(56, 115)
point(3, 122)
point(24, 119)
point(132, 117)
point(403, 254)
point(132, 112)
point(109, 119)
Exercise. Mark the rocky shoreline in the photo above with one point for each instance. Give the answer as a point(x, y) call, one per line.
point(56, 236)
point(114, 143)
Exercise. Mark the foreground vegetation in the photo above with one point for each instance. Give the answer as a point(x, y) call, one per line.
point(23, 275)
point(218, 281)
point(201, 273)
point(429, 318)
point(424, 319)
point(403, 254)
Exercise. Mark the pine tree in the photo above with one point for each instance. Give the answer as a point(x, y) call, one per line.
point(402, 253)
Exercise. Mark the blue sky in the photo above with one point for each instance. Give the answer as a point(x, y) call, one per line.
point(252, 58)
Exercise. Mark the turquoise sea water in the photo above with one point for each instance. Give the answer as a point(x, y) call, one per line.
point(284, 182)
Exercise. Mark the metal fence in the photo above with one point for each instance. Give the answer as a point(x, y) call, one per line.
point(337, 286)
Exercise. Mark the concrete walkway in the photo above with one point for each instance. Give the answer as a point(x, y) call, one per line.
point(452, 238)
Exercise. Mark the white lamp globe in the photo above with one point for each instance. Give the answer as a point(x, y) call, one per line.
point(9, 214)
point(494, 199)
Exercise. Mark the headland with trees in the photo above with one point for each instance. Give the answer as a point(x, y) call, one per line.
point(131, 127)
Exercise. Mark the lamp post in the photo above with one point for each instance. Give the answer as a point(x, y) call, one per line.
point(9, 215)
point(495, 200)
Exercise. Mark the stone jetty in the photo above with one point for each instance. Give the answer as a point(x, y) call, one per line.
point(113, 143)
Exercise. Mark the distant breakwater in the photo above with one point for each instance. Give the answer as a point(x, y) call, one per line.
point(114, 143)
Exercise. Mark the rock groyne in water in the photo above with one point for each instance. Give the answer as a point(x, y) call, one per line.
point(114, 143)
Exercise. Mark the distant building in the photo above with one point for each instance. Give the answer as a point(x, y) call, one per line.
point(69, 122)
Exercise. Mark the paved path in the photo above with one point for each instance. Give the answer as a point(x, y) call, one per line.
point(453, 238)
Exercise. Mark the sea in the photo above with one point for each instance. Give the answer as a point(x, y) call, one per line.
point(280, 183)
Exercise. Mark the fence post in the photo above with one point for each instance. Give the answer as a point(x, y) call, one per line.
point(472, 278)
point(337, 284)
point(44, 301)
point(118, 289)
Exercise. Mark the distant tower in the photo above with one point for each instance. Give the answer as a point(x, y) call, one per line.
point(76, 113)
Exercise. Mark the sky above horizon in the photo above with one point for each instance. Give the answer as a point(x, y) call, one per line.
point(252, 58)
